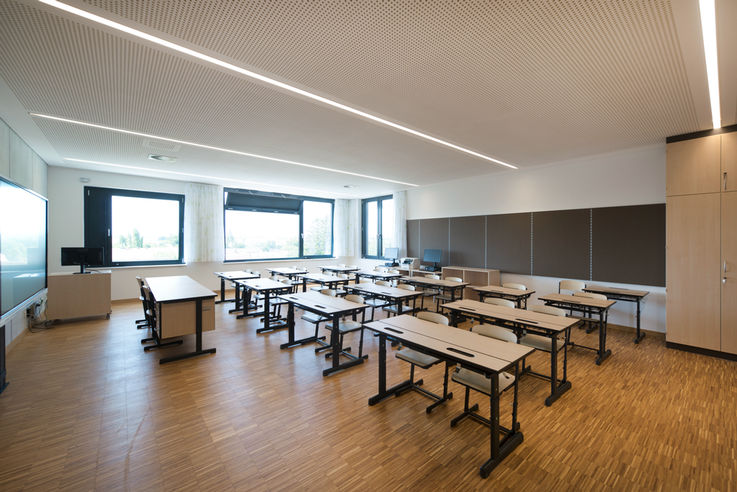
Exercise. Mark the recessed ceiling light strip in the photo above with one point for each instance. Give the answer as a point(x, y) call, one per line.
point(263, 78)
point(709, 33)
point(194, 175)
point(219, 149)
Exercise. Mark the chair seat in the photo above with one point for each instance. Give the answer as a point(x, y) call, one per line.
point(346, 326)
point(419, 359)
point(375, 302)
point(537, 341)
point(404, 309)
point(313, 318)
point(479, 382)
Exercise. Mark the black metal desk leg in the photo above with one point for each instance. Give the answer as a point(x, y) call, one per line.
point(382, 372)
point(603, 352)
point(493, 428)
point(639, 335)
point(556, 390)
point(222, 291)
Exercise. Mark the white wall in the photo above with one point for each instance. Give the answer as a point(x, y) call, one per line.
point(66, 228)
point(628, 177)
point(20, 164)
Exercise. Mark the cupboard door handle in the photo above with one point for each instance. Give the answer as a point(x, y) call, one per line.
point(724, 266)
point(724, 280)
point(724, 180)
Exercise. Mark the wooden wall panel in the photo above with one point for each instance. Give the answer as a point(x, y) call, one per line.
point(467, 237)
point(413, 239)
point(508, 243)
point(434, 235)
point(561, 245)
point(629, 244)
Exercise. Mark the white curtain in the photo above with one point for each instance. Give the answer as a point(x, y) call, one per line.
point(400, 221)
point(347, 228)
point(203, 219)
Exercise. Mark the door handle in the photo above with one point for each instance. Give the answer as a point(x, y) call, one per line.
point(724, 180)
point(724, 266)
point(724, 280)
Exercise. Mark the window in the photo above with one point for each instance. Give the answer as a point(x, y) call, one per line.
point(270, 226)
point(378, 226)
point(134, 227)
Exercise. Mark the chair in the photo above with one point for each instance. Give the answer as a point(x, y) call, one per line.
point(375, 302)
point(341, 292)
point(588, 319)
point(348, 326)
point(429, 291)
point(445, 297)
point(424, 361)
point(512, 285)
point(499, 302)
point(476, 381)
point(571, 285)
point(141, 323)
point(150, 311)
point(540, 342)
point(402, 308)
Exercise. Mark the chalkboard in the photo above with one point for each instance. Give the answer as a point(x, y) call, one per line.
point(413, 239)
point(561, 243)
point(467, 236)
point(508, 242)
point(629, 244)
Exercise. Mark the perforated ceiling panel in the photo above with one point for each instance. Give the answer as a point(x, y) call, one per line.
point(526, 81)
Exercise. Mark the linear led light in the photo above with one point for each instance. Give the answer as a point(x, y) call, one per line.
point(219, 149)
point(188, 175)
point(709, 33)
point(263, 78)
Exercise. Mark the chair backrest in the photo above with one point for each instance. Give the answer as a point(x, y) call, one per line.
point(590, 295)
point(572, 285)
point(341, 265)
point(384, 283)
point(344, 275)
point(393, 270)
point(454, 279)
point(381, 269)
point(364, 280)
point(405, 286)
point(354, 298)
point(493, 331)
point(541, 308)
point(433, 317)
point(432, 276)
point(328, 292)
point(512, 285)
point(352, 266)
point(140, 281)
point(499, 302)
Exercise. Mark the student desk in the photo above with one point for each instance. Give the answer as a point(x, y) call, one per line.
point(232, 276)
point(472, 351)
point(268, 288)
point(374, 275)
point(330, 307)
point(290, 273)
point(330, 281)
point(183, 307)
point(390, 294)
point(338, 269)
point(585, 305)
point(518, 320)
point(442, 284)
point(625, 295)
point(517, 296)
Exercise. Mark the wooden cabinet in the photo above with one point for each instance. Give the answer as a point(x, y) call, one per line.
point(729, 161)
point(701, 242)
point(729, 271)
point(693, 166)
point(177, 319)
point(692, 270)
point(76, 295)
point(475, 276)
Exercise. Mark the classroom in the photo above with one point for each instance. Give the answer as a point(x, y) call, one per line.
point(283, 244)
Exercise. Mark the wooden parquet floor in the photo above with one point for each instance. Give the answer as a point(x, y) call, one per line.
point(88, 409)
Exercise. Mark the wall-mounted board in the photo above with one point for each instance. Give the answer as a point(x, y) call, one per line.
point(467, 237)
point(508, 243)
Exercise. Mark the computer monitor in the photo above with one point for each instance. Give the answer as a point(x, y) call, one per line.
point(391, 253)
point(82, 257)
point(432, 255)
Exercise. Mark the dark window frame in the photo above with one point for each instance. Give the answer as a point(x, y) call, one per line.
point(98, 230)
point(265, 209)
point(364, 231)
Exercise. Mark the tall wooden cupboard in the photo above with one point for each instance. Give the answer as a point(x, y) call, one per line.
point(701, 242)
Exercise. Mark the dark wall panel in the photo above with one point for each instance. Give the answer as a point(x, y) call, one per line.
point(467, 241)
point(508, 242)
point(561, 243)
point(413, 238)
point(434, 235)
point(629, 244)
